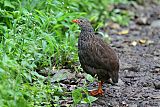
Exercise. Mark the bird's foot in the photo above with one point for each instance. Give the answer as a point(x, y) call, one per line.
point(96, 92)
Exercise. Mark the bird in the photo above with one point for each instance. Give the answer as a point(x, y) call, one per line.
point(96, 57)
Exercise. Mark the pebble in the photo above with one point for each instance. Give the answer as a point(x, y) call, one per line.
point(66, 81)
point(129, 74)
point(132, 105)
point(155, 97)
point(120, 83)
point(142, 20)
point(72, 87)
point(155, 24)
point(124, 104)
point(157, 84)
point(80, 75)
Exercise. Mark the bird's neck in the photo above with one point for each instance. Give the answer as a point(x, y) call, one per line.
point(85, 35)
point(87, 29)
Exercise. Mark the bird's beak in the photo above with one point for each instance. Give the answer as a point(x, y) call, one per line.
point(75, 21)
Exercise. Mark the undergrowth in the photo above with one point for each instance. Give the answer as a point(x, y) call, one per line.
point(39, 33)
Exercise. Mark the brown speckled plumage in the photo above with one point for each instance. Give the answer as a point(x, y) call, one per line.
point(96, 57)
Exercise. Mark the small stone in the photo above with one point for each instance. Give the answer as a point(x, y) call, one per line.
point(66, 81)
point(155, 97)
point(130, 74)
point(63, 85)
point(150, 42)
point(120, 82)
point(110, 105)
point(124, 103)
point(142, 20)
point(132, 105)
point(73, 82)
point(146, 95)
point(79, 75)
point(61, 75)
point(157, 84)
point(155, 24)
point(133, 43)
point(72, 87)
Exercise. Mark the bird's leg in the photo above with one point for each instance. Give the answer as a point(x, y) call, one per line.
point(99, 91)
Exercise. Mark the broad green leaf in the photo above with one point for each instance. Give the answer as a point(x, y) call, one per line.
point(89, 78)
point(89, 99)
point(77, 95)
point(8, 4)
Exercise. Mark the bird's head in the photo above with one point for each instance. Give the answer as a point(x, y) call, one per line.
point(84, 24)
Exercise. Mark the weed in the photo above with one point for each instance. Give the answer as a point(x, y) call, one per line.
point(35, 34)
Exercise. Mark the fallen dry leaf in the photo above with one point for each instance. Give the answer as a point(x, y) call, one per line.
point(114, 25)
point(142, 41)
point(123, 32)
point(146, 41)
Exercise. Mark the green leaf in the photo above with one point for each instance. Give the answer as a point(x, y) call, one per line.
point(90, 78)
point(2, 70)
point(91, 99)
point(77, 95)
point(8, 4)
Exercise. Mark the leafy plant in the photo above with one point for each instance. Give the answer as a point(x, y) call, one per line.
point(121, 17)
point(35, 34)
point(79, 98)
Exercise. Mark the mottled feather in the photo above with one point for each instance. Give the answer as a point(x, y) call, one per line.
point(95, 55)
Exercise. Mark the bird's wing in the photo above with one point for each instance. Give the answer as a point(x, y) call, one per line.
point(99, 55)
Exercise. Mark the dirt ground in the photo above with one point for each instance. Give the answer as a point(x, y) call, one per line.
point(139, 53)
point(138, 48)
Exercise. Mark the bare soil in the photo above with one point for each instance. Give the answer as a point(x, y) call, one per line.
point(139, 53)
point(138, 48)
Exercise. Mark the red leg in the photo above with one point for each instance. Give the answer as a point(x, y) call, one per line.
point(99, 91)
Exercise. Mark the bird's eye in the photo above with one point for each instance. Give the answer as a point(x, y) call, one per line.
point(81, 21)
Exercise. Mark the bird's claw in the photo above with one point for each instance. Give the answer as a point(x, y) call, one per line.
point(96, 92)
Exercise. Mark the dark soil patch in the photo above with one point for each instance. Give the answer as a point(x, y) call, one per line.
point(139, 53)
